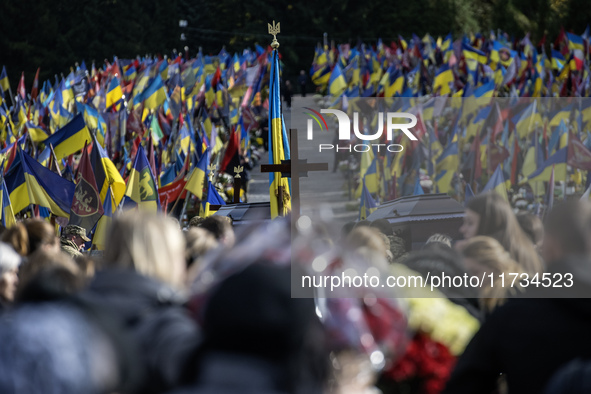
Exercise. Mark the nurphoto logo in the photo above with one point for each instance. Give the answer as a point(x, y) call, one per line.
point(344, 121)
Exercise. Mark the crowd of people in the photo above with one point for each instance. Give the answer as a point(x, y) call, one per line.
point(207, 309)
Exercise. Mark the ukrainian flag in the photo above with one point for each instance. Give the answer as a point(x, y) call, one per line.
point(155, 95)
point(100, 234)
point(141, 185)
point(445, 167)
point(575, 42)
point(367, 204)
point(336, 84)
point(7, 213)
point(197, 178)
point(278, 143)
point(36, 133)
point(320, 75)
point(443, 77)
point(41, 186)
point(557, 60)
point(4, 83)
point(70, 138)
point(114, 93)
point(557, 160)
point(213, 198)
point(526, 121)
point(106, 174)
point(368, 172)
point(497, 183)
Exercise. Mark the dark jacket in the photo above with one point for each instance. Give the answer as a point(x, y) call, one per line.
point(225, 373)
point(528, 338)
point(152, 312)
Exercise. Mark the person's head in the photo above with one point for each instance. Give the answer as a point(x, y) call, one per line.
point(491, 215)
point(195, 221)
point(17, 237)
point(199, 242)
point(252, 313)
point(485, 256)
point(48, 275)
point(532, 226)
point(221, 228)
point(9, 263)
point(41, 236)
point(567, 231)
point(439, 240)
point(150, 244)
point(367, 237)
point(75, 234)
point(487, 214)
point(383, 225)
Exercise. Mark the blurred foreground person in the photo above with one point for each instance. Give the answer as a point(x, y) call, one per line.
point(489, 214)
point(532, 336)
point(41, 236)
point(532, 226)
point(485, 255)
point(9, 262)
point(48, 276)
point(221, 228)
point(144, 269)
point(257, 339)
point(63, 348)
point(199, 242)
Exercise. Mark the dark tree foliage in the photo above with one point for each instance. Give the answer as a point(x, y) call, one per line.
point(54, 34)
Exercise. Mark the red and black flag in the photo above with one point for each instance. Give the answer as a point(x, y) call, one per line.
point(86, 206)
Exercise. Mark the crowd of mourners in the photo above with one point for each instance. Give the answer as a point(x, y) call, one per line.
point(208, 309)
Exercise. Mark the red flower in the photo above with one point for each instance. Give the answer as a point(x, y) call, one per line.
point(425, 360)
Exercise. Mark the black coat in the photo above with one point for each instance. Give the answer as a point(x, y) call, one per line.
point(529, 339)
point(153, 314)
point(225, 373)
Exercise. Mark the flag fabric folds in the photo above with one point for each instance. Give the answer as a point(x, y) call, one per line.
point(278, 144)
point(141, 185)
point(69, 139)
point(367, 204)
point(86, 207)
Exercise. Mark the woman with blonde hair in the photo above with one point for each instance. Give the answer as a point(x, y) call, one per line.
point(485, 255)
point(151, 245)
point(143, 273)
point(491, 215)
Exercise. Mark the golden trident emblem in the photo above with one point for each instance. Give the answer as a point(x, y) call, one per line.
point(211, 168)
point(238, 170)
point(274, 30)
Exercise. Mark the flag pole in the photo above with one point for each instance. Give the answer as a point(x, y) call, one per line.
point(565, 170)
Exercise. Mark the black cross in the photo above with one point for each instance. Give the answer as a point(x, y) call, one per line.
point(293, 166)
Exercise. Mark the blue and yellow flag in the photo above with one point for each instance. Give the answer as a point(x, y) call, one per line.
point(70, 138)
point(155, 95)
point(278, 143)
point(106, 174)
point(336, 84)
point(443, 77)
point(367, 204)
point(497, 183)
point(114, 93)
point(7, 213)
point(141, 185)
point(100, 234)
point(213, 198)
point(197, 177)
point(446, 166)
point(4, 83)
point(42, 187)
